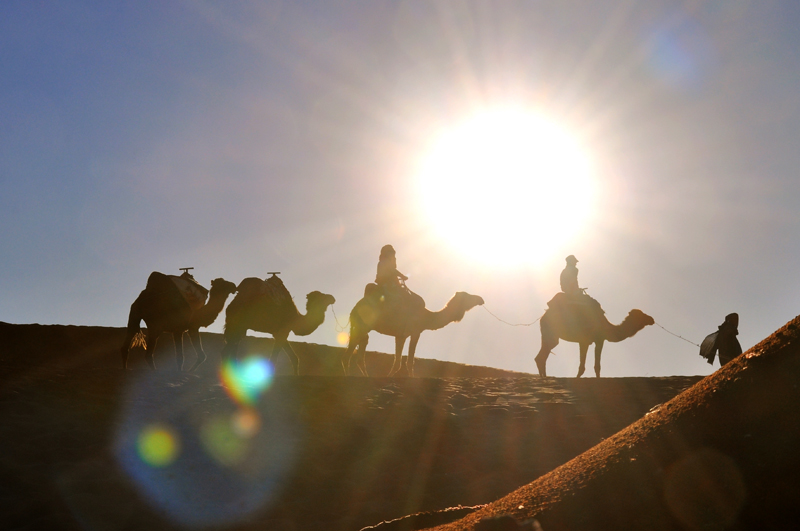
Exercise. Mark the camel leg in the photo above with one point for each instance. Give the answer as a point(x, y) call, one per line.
point(287, 347)
point(584, 350)
point(232, 339)
point(177, 339)
point(598, 350)
point(277, 346)
point(361, 360)
point(150, 348)
point(126, 345)
point(399, 343)
point(194, 336)
point(548, 344)
point(282, 343)
point(412, 348)
point(352, 344)
point(230, 349)
point(134, 320)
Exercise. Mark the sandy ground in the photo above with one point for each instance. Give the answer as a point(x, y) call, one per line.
point(722, 455)
point(86, 445)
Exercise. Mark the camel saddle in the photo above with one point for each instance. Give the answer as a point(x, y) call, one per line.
point(192, 292)
point(563, 301)
point(274, 288)
point(396, 297)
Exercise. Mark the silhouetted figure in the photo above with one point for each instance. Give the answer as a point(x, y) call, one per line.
point(569, 278)
point(572, 315)
point(388, 275)
point(267, 306)
point(389, 287)
point(401, 321)
point(174, 304)
point(571, 292)
point(723, 340)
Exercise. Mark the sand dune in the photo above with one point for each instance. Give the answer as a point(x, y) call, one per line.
point(88, 446)
point(722, 455)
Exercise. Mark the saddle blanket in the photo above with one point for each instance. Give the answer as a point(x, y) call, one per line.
point(194, 293)
point(274, 288)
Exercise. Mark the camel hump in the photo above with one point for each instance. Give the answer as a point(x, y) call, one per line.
point(274, 288)
point(192, 292)
point(563, 301)
point(370, 289)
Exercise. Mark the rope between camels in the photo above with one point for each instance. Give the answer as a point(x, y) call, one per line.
point(339, 327)
point(676, 335)
point(506, 322)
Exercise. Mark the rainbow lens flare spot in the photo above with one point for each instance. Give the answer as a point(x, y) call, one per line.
point(158, 446)
point(343, 338)
point(245, 423)
point(222, 441)
point(246, 380)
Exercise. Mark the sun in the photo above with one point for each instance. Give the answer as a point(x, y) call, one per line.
point(507, 187)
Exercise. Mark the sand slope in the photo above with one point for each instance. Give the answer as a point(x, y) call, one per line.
point(723, 455)
point(314, 452)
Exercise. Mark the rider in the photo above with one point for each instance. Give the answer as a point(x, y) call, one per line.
point(569, 278)
point(388, 275)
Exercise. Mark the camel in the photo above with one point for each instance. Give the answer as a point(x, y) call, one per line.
point(164, 309)
point(266, 306)
point(584, 323)
point(401, 322)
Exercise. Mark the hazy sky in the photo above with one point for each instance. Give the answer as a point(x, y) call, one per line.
point(245, 137)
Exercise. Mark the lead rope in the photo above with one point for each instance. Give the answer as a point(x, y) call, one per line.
point(339, 327)
point(676, 335)
point(506, 322)
point(537, 320)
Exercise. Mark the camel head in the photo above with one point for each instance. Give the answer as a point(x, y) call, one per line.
point(317, 299)
point(462, 302)
point(640, 318)
point(222, 286)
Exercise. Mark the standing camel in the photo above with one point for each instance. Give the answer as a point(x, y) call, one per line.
point(401, 322)
point(584, 324)
point(164, 309)
point(266, 306)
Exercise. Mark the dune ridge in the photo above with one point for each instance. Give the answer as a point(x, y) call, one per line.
point(721, 455)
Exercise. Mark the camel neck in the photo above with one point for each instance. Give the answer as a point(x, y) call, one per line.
point(306, 324)
point(624, 330)
point(442, 318)
point(208, 313)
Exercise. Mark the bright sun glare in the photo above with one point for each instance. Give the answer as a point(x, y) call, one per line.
point(507, 187)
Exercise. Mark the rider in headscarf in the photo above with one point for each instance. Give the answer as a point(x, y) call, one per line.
point(388, 275)
point(569, 277)
point(723, 340)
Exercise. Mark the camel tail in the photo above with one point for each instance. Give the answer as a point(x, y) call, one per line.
point(135, 320)
point(139, 340)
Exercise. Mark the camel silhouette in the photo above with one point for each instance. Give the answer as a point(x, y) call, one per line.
point(584, 324)
point(266, 306)
point(164, 309)
point(401, 321)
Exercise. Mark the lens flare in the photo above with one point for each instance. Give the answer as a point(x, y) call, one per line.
point(158, 446)
point(246, 423)
point(245, 381)
point(201, 458)
point(222, 442)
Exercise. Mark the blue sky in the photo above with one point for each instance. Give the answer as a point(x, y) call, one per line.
point(246, 137)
